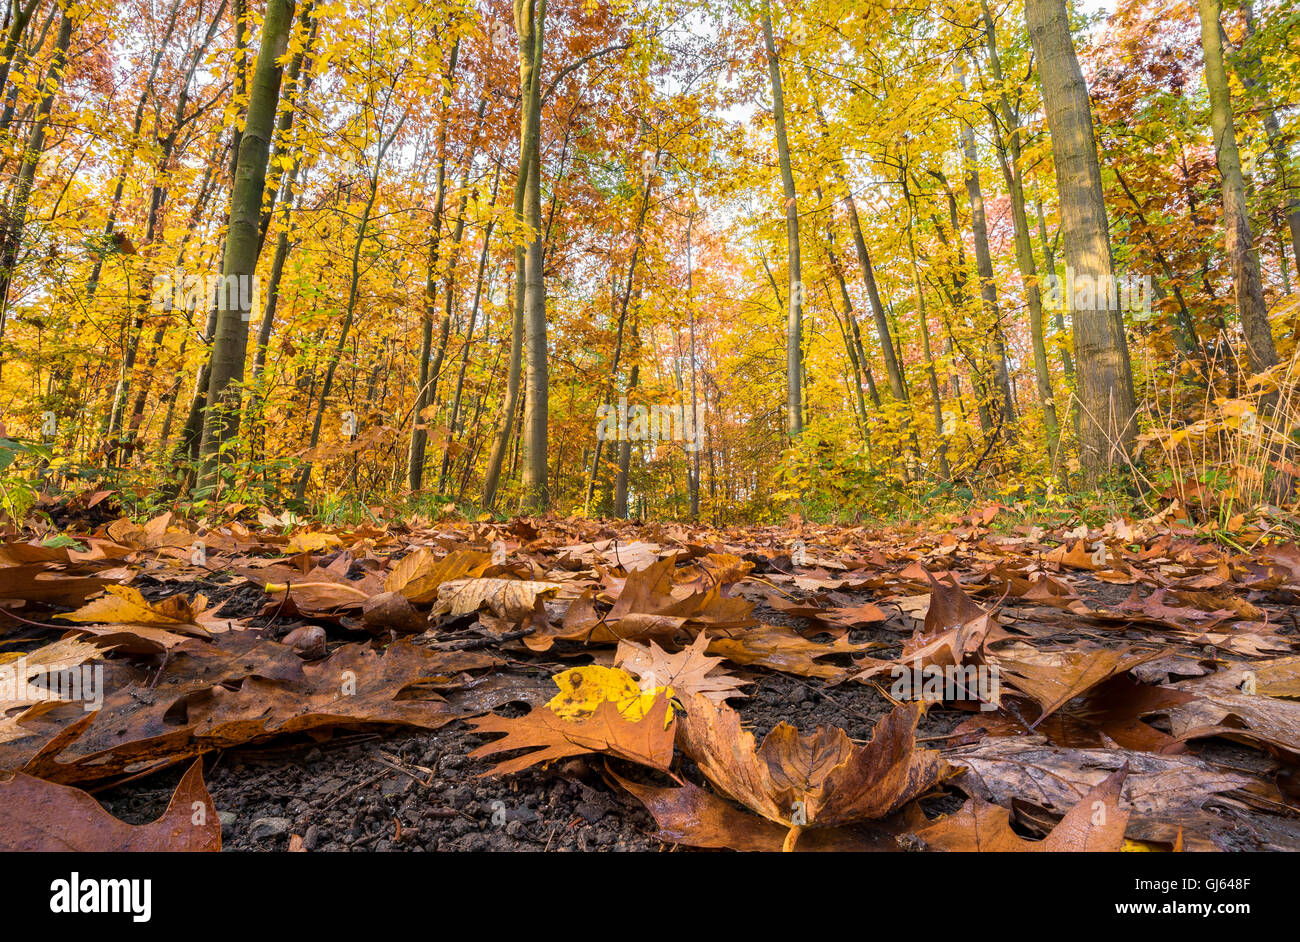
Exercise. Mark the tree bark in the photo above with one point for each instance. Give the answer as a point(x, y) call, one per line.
point(530, 20)
point(1105, 379)
point(230, 344)
point(1261, 353)
point(794, 313)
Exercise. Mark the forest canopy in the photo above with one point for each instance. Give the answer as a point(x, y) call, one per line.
point(664, 258)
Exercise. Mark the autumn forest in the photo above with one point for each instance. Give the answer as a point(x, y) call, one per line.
point(656, 260)
point(764, 425)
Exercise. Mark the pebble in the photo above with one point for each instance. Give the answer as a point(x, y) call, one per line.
point(311, 840)
point(268, 827)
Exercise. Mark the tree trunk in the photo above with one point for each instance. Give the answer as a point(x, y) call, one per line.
point(230, 344)
point(15, 220)
point(1009, 157)
point(1105, 379)
point(1277, 145)
point(794, 314)
point(1261, 353)
point(530, 20)
point(419, 434)
point(992, 314)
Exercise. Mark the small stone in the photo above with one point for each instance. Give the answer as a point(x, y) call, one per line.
point(308, 642)
point(268, 827)
point(395, 786)
point(227, 819)
point(311, 840)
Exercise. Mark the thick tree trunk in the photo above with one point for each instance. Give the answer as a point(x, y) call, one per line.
point(1105, 379)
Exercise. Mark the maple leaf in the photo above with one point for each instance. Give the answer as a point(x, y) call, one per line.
point(584, 689)
point(817, 780)
point(647, 741)
point(1096, 824)
point(687, 671)
point(1054, 678)
point(513, 599)
point(782, 649)
point(419, 575)
point(125, 606)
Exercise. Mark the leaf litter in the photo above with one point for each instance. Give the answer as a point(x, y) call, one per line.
point(573, 683)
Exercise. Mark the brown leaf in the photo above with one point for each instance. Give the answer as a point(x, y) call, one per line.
point(696, 817)
point(687, 671)
point(818, 780)
point(782, 649)
point(36, 815)
point(419, 575)
point(513, 599)
point(1054, 678)
point(646, 741)
point(1095, 824)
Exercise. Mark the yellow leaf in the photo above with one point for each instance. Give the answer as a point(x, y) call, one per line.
point(125, 605)
point(312, 542)
point(583, 689)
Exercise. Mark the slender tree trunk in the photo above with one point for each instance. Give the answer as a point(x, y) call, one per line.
point(530, 20)
point(1276, 143)
point(22, 15)
point(992, 314)
point(1261, 353)
point(922, 318)
point(1010, 159)
point(648, 185)
point(454, 420)
point(794, 314)
point(625, 454)
point(115, 202)
point(15, 220)
point(239, 266)
point(293, 96)
point(1058, 316)
point(419, 432)
point(354, 290)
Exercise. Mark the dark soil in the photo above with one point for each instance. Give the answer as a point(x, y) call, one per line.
point(399, 790)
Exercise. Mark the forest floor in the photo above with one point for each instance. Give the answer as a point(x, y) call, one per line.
point(1139, 666)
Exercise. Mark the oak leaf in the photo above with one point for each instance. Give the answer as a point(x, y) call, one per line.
point(36, 815)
